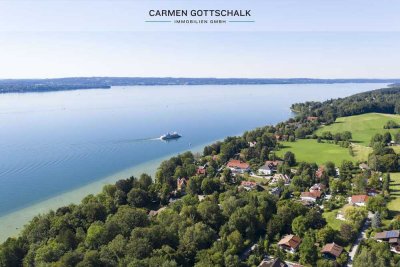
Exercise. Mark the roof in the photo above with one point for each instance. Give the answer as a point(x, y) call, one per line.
point(248, 183)
point(313, 194)
point(310, 118)
point(388, 234)
point(273, 263)
point(359, 198)
point(318, 187)
point(234, 163)
point(201, 170)
point(290, 241)
point(363, 166)
point(332, 249)
point(394, 240)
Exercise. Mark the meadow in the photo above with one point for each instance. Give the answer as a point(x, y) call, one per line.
point(362, 127)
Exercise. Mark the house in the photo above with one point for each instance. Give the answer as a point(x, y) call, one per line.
point(269, 167)
point(252, 144)
point(238, 166)
point(318, 187)
point(277, 262)
point(278, 177)
point(153, 213)
point(310, 118)
point(310, 196)
point(265, 170)
point(359, 200)
point(181, 184)
point(364, 167)
point(332, 250)
point(290, 243)
point(248, 185)
point(392, 237)
point(387, 235)
point(201, 170)
point(372, 192)
point(276, 191)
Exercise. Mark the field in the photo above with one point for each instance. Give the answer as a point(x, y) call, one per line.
point(330, 218)
point(363, 127)
point(394, 204)
point(310, 150)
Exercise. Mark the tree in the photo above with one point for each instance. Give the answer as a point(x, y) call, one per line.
point(289, 158)
point(330, 168)
point(308, 251)
point(138, 197)
point(376, 220)
point(326, 235)
point(210, 213)
point(95, 235)
point(347, 232)
point(299, 226)
point(210, 185)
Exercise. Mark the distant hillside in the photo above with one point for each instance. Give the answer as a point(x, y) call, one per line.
point(385, 100)
point(43, 85)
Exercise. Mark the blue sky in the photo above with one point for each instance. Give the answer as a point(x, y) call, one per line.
point(321, 39)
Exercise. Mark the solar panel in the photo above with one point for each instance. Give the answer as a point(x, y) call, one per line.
point(391, 234)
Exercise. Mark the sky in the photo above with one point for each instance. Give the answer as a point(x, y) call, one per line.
point(316, 39)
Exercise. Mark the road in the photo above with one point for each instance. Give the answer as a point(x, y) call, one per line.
point(361, 236)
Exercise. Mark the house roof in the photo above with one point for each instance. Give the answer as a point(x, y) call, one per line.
point(290, 241)
point(387, 234)
point(201, 170)
point(359, 198)
point(332, 249)
point(248, 183)
point(318, 187)
point(234, 163)
point(363, 166)
point(313, 194)
point(394, 240)
point(273, 263)
point(311, 118)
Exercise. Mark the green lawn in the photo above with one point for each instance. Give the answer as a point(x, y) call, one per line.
point(330, 218)
point(309, 150)
point(394, 204)
point(363, 127)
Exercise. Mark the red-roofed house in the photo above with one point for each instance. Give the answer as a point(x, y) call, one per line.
point(332, 250)
point(359, 200)
point(238, 166)
point(290, 243)
point(248, 185)
point(310, 118)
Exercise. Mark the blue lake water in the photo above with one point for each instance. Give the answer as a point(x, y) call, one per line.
point(55, 142)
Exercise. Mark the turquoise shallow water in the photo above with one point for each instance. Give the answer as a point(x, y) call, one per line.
point(57, 147)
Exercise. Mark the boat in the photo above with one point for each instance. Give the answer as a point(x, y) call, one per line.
point(170, 136)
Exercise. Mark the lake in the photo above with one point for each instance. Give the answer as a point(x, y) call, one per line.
point(58, 146)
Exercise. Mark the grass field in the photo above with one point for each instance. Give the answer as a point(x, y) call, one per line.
point(330, 218)
point(363, 127)
point(310, 150)
point(394, 204)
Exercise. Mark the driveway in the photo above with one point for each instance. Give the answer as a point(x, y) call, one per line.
point(361, 236)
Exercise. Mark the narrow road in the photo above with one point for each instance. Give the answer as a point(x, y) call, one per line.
point(361, 236)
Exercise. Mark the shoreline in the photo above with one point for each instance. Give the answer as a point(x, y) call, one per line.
point(12, 223)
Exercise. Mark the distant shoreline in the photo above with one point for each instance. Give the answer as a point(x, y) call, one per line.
point(82, 83)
